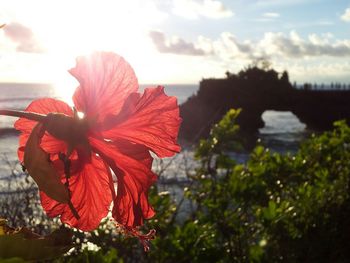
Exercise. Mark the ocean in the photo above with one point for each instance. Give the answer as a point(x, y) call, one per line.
point(282, 131)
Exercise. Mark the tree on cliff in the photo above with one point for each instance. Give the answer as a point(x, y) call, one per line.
point(285, 77)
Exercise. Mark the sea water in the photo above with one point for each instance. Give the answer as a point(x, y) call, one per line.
point(282, 131)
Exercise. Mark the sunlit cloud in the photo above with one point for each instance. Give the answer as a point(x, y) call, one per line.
point(194, 38)
point(23, 37)
point(193, 9)
point(293, 46)
point(346, 16)
point(274, 44)
point(175, 45)
point(227, 47)
point(66, 29)
point(316, 56)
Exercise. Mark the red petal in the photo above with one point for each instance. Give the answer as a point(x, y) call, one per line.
point(49, 143)
point(106, 80)
point(41, 169)
point(90, 195)
point(153, 121)
point(132, 165)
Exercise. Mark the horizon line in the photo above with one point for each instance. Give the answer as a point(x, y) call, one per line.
point(48, 83)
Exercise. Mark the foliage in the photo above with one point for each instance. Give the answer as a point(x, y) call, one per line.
point(288, 208)
point(27, 245)
point(96, 256)
point(273, 208)
point(277, 207)
point(20, 205)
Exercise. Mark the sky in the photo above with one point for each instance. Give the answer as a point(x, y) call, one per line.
point(176, 41)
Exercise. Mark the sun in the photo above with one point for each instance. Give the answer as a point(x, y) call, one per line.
point(80, 26)
point(68, 29)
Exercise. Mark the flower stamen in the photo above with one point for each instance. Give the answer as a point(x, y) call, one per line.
point(134, 232)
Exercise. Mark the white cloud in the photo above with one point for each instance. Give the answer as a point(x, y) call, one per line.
point(227, 47)
point(275, 3)
point(272, 46)
point(320, 58)
point(293, 46)
point(281, 46)
point(346, 16)
point(271, 15)
point(267, 17)
point(324, 39)
point(176, 45)
point(193, 9)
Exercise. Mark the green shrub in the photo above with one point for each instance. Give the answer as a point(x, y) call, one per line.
point(274, 207)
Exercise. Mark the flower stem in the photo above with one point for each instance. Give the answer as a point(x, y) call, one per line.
point(24, 114)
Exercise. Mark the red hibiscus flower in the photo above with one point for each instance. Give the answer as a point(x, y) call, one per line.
point(119, 129)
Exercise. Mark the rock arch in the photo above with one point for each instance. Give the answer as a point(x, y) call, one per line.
point(318, 109)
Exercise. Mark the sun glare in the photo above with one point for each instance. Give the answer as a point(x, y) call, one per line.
point(72, 28)
point(98, 25)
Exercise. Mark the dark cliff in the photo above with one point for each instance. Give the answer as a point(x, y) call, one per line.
point(254, 91)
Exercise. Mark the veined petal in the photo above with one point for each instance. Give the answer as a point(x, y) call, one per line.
point(153, 120)
point(106, 80)
point(132, 165)
point(40, 168)
point(49, 143)
point(91, 196)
